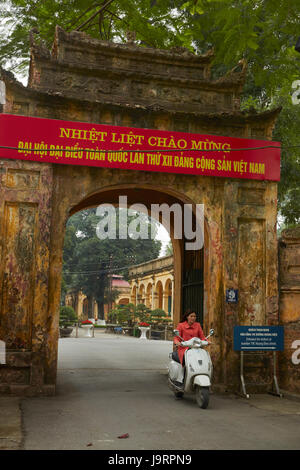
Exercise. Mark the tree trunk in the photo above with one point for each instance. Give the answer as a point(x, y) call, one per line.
point(90, 306)
point(100, 305)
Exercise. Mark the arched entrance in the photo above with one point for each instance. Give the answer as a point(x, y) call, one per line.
point(168, 304)
point(149, 296)
point(148, 195)
point(133, 295)
point(159, 295)
point(145, 194)
point(141, 294)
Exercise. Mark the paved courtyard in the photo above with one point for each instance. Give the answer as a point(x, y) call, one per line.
point(110, 386)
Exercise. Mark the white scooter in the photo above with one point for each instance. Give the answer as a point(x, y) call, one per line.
point(195, 376)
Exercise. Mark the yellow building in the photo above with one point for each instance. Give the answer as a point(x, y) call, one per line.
point(79, 301)
point(152, 283)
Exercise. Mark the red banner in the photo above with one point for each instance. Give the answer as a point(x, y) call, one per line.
point(78, 143)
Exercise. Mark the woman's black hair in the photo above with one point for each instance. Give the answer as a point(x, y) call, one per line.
point(187, 313)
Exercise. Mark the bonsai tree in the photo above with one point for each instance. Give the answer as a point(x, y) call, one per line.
point(126, 314)
point(122, 314)
point(158, 315)
point(112, 316)
point(67, 316)
point(116, 314)
point(143, 313)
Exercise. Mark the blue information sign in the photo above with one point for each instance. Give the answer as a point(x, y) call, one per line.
point(232, 296)
point(258, 338)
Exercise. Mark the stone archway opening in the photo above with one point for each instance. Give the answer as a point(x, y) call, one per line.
point(145, 195)
point(168, 295)
point(165, 294)
point(148, 195)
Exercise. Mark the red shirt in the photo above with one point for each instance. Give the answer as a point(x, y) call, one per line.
point(187, 332)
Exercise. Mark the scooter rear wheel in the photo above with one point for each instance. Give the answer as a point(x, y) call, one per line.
point(202, 396)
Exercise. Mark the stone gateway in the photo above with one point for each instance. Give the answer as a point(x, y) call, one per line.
point(92, 81)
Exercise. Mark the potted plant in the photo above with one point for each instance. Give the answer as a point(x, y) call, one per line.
point(88, 325)
point(67, 317)
point(144, 327)
point(157, 318)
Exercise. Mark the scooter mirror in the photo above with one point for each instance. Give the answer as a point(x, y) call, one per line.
point(211, 332)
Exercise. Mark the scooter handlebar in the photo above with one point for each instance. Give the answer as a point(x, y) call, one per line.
point(194, 343)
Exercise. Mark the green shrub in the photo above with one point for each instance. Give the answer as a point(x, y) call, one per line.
point(143, 313)
point(122, 314)
point(67, 316)
point(158, 315)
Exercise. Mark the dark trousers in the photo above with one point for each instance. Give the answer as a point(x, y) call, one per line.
point(175, 357)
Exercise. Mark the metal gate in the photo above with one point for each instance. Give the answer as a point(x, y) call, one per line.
point(193, 282)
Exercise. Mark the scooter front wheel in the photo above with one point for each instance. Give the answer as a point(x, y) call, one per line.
point(202, 396)
point(178, 395)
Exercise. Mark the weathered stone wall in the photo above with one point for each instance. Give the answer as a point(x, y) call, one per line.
point(249, 241)
point(37, 199)
point(289, 277)
point(25, 214)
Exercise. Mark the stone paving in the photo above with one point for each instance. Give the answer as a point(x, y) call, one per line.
point(86, 368)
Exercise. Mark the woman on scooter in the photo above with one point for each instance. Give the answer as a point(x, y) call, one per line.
point(188, 329)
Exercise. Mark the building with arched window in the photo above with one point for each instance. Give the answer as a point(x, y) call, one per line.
point(80, 302)
point(152, 284)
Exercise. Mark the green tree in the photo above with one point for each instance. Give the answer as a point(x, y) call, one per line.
point(258, 31)
point(155, 23)
point(123, 314)
point(143, 313)
point(67, 316)
point(168, 249)
point(261, 32)
point(158, 315)
point(89, 261)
